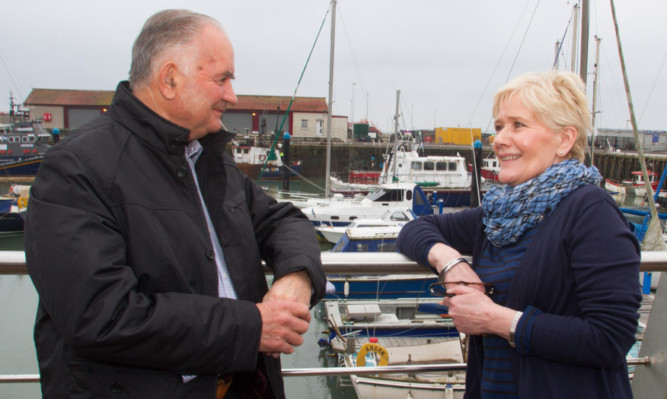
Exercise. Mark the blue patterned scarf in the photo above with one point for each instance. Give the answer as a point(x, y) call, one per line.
point(511, 211)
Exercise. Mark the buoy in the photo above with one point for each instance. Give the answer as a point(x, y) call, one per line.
point(375, 348)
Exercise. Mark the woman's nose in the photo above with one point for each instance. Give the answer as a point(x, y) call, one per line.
point(500, 138)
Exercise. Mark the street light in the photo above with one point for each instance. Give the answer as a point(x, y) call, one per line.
point(352, 112)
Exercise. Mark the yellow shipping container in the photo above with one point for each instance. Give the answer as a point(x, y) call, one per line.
point(457, 135)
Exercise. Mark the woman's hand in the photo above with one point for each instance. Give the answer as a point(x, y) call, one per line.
point(473, 312)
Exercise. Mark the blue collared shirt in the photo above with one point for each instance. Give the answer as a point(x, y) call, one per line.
point(225, 287)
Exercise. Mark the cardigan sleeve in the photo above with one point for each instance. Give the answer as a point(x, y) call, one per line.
point(461, 230)
point(593, 318)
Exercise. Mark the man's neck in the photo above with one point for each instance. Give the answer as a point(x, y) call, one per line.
point(146, 95)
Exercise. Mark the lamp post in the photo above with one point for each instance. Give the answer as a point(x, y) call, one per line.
point(352, 111)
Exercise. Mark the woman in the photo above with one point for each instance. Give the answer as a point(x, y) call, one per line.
point(550, 300)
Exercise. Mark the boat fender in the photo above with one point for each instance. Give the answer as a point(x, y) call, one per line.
point(346, 289)
point(372, 347)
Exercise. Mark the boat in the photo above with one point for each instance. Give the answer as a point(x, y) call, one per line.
point(375, 235)
point(400, 317)
point(406, 351)
point(340, 211)
point(404, 164)
point(368, 239)
point(634, 186)
point(258, 161)
point(639, 221)
point(443, 175)
point(13, 206)
point(392, 333)
point(391, 217)
point(392, 286)
point(490, 169)
point(22, 143)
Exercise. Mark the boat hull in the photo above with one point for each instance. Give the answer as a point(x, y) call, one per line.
point(381, 287)
point(25, 167)
point(270, 172)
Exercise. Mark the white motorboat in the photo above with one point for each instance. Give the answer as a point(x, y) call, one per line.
point(339, 211)
point(390, 218)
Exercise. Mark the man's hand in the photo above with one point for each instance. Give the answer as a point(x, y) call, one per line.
point(285, 313)
point(283, 323)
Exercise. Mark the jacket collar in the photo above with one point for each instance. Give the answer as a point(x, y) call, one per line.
point(155, 130)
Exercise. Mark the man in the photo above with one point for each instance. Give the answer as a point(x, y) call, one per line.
point(144, 240)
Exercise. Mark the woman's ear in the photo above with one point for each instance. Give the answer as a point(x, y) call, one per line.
point(568, 136)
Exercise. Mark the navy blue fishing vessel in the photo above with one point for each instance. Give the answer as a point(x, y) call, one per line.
point(22, 143)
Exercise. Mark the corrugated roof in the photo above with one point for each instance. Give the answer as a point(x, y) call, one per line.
point(104, 97)
point(271, 103)
point(69, 97)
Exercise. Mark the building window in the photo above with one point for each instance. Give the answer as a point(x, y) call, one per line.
point(304, 123)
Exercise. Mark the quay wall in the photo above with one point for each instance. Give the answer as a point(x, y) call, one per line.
point(369, 156)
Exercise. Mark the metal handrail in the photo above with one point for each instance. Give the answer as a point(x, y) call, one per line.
point(335, 371)
point(13, 262)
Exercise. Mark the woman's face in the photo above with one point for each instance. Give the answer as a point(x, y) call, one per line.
point(524, 146)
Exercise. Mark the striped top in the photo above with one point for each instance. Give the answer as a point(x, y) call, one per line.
point(497, 266)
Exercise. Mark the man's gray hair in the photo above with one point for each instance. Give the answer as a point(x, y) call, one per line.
point(164, 30)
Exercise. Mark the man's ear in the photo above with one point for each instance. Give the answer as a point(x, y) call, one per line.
point(167, 79)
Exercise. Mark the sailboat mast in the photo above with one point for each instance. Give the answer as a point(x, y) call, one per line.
point(331, 77)
point(398, 98)
point(583, 58)
point(595, 97)
point(654, 225)
point(575, 37)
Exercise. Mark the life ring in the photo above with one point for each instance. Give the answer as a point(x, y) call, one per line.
point(22, 202)
point(262, 157)
point(374, 348)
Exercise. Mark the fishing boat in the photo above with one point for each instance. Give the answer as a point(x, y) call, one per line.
point(256, 160)
point(489, 170)
point(443, 175)
point(405, 164)
point(634, 186)
point(22, 143)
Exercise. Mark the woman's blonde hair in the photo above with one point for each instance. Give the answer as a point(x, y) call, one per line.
point(558, 100)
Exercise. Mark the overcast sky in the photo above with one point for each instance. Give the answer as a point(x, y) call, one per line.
point(447, 57)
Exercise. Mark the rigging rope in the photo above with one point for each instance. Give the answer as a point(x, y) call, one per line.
point(289, 106)
point(495, 68)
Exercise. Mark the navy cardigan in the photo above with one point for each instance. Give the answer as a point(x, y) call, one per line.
point(577, 285)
